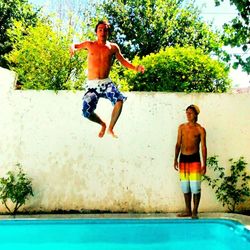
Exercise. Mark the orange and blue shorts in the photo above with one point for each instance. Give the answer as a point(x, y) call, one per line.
point(190, 173)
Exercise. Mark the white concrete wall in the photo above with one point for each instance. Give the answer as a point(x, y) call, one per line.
point(73, 169)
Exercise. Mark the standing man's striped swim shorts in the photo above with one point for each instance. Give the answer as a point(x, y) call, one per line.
point(190, 173)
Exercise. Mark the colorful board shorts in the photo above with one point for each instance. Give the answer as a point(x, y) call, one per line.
point(190, 173)
point(99, 88)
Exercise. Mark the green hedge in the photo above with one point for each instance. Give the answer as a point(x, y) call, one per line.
point(181, 69)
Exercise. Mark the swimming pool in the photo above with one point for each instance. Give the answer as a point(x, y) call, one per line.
point(121, 234)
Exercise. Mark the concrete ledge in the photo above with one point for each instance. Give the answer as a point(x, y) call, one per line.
point(243, 219)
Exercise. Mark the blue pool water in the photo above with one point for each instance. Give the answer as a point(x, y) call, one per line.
point(121, 234)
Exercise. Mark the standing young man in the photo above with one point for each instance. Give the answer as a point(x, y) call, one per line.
point(100, 54)
point(191, 136)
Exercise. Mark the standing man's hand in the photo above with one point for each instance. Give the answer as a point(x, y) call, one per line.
point(203, 170)
point(176, 165)
point(72, 50)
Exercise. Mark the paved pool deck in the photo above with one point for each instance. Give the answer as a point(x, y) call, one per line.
point(244, 219)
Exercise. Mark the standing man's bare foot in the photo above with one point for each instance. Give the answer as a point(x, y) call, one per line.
point(111, 132)
point(195, 215)
point(102, 131)
point(185, 214)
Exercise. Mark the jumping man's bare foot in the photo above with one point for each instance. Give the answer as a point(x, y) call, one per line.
point(102, 131)
point(111, 132)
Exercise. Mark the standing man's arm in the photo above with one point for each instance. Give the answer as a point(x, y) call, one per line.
point(177, 149)
point(203, 151)
point(125, 62)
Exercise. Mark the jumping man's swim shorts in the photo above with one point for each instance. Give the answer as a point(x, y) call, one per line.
point(99, 88)
point(190, 173)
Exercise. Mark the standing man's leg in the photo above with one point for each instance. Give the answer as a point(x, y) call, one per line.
point(186, 189)
point(188, 210)
point(195, 186)
point(188, 198)
point(114, 117)
point(196, 199)
point(185, 186)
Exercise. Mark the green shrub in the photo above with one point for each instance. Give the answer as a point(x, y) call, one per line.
point(180, 69)
point(117, 75)
point(231, 189)
point(16, 187)
point(42, 59)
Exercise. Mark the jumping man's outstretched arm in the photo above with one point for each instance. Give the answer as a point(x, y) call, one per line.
point(74, 47)
point(125, 62)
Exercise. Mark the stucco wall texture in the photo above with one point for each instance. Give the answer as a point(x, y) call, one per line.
point(72, 169)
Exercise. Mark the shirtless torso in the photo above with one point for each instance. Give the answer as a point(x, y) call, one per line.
point(191, 136)
point(100, 55)
point(103, 58)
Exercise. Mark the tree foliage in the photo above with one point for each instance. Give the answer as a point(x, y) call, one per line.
point(179, 69)
point(41, 57)
point(11, 11)
point(145, 26)
point(42, 60)
point(237, 32)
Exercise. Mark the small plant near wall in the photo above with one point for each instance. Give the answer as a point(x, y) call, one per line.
point(16, 187)
point(231, 189)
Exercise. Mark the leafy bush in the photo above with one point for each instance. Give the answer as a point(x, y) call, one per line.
point(117, 75)
point(16, 187)
point(42, 60)
point(180, 69)
point(231, 189)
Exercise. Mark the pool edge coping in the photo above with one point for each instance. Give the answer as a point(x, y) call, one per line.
point(243, 219)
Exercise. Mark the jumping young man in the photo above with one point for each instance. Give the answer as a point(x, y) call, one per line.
point(100, 55)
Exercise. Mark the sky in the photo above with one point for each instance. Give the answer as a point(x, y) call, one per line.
point(209, 13)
